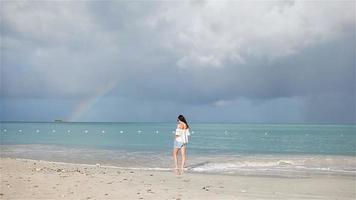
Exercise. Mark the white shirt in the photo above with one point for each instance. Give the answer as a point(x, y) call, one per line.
point(183, 135)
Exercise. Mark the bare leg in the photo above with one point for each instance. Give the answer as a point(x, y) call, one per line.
point(175, 154)
point(183, 159)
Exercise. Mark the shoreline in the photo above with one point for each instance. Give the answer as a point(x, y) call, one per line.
point(241, 165)
point(33, 179)
point(161, 169)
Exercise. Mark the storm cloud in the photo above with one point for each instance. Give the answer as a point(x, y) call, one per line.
point(247, 61)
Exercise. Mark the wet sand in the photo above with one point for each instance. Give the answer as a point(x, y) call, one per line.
point(31, 179)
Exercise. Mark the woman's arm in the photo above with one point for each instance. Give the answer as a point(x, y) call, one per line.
point(179, 126)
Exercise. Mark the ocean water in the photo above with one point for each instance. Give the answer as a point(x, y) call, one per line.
point(267, 149)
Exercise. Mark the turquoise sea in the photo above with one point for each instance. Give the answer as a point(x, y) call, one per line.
point(268, 149)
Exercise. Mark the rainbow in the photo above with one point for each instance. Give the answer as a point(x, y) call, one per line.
point(88, 103)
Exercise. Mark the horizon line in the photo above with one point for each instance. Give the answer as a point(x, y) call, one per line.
point(204, 122)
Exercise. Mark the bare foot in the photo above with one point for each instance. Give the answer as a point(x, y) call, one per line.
point(176, 171)
point(182, 170)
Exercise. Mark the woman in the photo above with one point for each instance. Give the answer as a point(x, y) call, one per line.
point(180, 143)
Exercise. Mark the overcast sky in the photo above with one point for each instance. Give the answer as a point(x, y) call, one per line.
point(227, 61)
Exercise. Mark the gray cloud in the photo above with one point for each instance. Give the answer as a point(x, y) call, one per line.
point(192, 53)
point(331, 108)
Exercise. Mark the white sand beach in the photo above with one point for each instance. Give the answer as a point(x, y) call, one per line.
point(31, 179)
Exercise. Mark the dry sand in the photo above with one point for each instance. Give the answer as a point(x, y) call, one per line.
point(30, 179)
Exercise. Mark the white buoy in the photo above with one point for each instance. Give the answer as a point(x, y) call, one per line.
point(192, 132)
point(102, 131)
point(68, 131)
point(53, 131)
point(4, 130)
point(121, 131)
point(37, 131)
point(20, 131)
point(173, 131)
point(86, 131)
point(139, 131)
point(157, 132)
point(266, 133)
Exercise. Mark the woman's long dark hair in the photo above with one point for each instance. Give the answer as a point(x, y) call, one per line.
point(181, 118)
